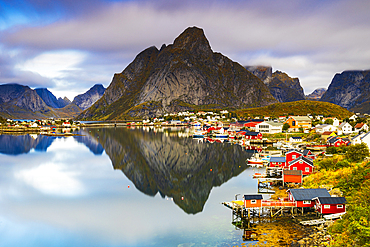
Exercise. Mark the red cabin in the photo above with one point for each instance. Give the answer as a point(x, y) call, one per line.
point(305, 197)
point(253, 135)
point(294, 176)
point(253, 201)
point(277, 162)
point(292, 155)
point(302, 164)
point(330, 205)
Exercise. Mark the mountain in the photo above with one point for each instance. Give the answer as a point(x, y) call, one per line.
point(87, 99)
point(17, 101)
point(50, 99)
point(281, 86)
point(297, 108)
point(185, 75)
point(174, 167)
point(316, 94)
point(351, 90)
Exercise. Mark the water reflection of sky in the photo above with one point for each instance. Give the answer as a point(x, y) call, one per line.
point(68, 196)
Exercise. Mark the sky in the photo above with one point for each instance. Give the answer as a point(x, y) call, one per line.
point(69, 46)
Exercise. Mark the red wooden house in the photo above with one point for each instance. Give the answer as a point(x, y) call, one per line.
point(253, 135)
point(305, 197)
point(253, 201)
point(292, 155)
point(292, 176)
point(303, 164)
point(308, 154)
point(277, 162)
point(330, 205)
point(336, 141)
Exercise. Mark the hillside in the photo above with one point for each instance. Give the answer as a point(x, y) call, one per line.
point(296, 108)
point(177, 77)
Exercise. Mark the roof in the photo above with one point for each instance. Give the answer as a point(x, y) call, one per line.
point(301, 118)
point(277, 159)
point(293, 150)
point(292, 172)
point(273, 123)
point(296, 137)
point(359, 125)
point(365, 135)
point(250, 133)
point(327, 133)
point(322, 126)
point(308, 194)
point(331, 200)
point(306, 152)
point(250, 124)
point(253, 197)
point(307, 160)
point(344, 123)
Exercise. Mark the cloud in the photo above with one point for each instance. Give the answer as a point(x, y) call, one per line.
point(307, 39)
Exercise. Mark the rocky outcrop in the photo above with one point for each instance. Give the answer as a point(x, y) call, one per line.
point(50, 99)
point(285, 88)
point(350, 89)
point(316, 94)
point(183, 75)
point(262, 72)
point(87, 99)
point(281, 86)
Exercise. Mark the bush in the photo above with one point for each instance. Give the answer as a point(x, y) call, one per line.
point(357, 153)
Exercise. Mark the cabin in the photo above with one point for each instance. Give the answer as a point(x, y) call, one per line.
point(292, 155)
point(361, 127)
point(325, 128)
point(336, 142)
point(253, 135)
point(297, 122)
point(305, 197)
point(292, 176)
point(330, 205)
point(295, 139)
point(253, 201)
point(308, 154)
point(277, 162)
point(345, 128)
point(302, 164)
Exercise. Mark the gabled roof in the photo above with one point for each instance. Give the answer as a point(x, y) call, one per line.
point(365, 135)
point(306, 152)
point(334, 139)
point(250, 133)
point(327, 133)
point(308, 194)
point(277, 159)
point(359, 125)
point(331, 200)
point(359, 136)
point(250, 124)
point(322, 126)
point(344, 123)
point(301, 118)
point(253, 197)
point(293, 150)
point(292, 172)
point(307, 160)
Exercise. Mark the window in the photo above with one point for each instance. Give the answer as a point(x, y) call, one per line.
point(293, 123)
point(253, 201)
point(307, 169)
point(306, 202)
point(326, 206)
point(340, 206)
point(294, 168)
point(294, 157)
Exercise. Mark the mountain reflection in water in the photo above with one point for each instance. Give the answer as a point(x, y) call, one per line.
point(176, 167)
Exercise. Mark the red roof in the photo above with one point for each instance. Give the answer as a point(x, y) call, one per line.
point(359, 125)
point(251, 124)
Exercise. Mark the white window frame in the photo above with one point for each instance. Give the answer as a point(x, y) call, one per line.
point(340, 206)
point(254, 201)
point(307, 169)
point(294, 156)
point(294, 168)
point(306, 202)
point(326, 206)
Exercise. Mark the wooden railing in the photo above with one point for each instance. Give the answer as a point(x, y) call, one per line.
point(269, 203)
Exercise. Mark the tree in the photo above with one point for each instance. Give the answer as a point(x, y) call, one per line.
point(329, 121)
point(286, 126)
point(358, 152)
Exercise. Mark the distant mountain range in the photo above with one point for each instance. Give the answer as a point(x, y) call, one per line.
point(185, 75)
point(18, 101)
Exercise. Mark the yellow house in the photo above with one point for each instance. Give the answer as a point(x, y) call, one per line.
point(297, 122)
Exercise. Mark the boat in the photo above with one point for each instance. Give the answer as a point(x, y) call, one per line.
point(255, 160)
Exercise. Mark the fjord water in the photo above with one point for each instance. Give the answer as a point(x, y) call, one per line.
point(120, 187)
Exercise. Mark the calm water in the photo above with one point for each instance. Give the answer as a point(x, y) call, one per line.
point(120, 187)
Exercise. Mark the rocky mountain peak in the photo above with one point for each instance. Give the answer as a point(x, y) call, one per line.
point(194, 40)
